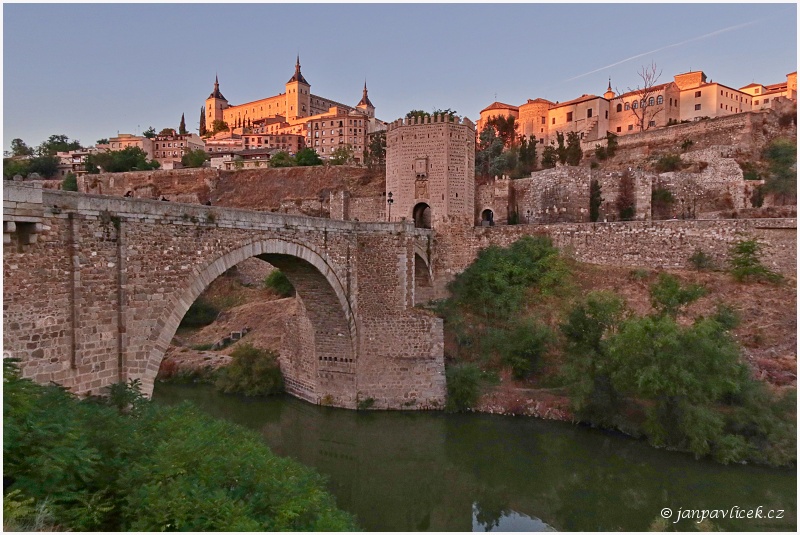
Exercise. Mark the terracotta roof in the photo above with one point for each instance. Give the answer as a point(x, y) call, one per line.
point(499, 106)
point(539, 100)
point(584, 98)
point(750, 85)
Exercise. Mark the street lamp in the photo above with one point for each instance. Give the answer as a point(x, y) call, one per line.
point(389, 201)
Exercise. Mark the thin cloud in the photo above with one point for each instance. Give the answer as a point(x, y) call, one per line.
point(706, 36)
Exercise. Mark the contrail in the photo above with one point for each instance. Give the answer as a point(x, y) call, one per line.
point(712, 34)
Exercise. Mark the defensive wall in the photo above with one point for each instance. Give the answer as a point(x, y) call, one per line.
point(635, 244)
point(96, 286)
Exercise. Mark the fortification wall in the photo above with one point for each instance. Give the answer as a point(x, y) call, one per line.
point(649, 244)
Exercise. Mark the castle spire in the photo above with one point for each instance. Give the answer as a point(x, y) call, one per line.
point(216, 93)
point(609, 94)
point(609, 84)
point(298, 76)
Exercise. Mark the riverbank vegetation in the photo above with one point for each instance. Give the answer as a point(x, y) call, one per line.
point(123, 463)
point(662, 372)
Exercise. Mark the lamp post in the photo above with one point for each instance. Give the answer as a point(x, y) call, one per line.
point(389, 201)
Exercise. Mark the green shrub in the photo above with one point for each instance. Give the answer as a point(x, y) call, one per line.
point(595, 200)
point(686, 144)
point(600, 152)
point(70, 182)
point(701, 261)
point(668, 295)
point(746, 264)
point(669, 162)
point(200, 314)
point(520, 346)
point(278, 282)
point(463, 387)
point(252, 372)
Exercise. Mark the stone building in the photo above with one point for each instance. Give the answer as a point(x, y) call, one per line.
point(123, 141)
point(430, 170)
point(170, 148)
point(336, 129)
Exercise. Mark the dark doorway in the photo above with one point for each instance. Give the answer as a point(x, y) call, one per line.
point(422, 215)
point(487, 218)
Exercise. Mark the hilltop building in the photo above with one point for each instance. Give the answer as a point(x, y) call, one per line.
point(297, 112)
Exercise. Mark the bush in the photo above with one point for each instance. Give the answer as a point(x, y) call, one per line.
point(668, 296)
point(463, 387)
point(278, 282)
point(701, 261)
point(686, 144)
point(520, 346)
point(252, 372)
point(746, 265)
point(70, 182)
point(200, 314)
point(669, 162)
point(92, 467)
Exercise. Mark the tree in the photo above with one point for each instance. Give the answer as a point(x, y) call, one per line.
point(167, 132)
point(573, 152)
point(70, 182)
point(342, 155)
point(202, 130)
point(561, 148)
point(102, 141)
point(57, 143)
point(668, 296)
point(375, 151)
point(19, 148)
point(595, 200)
point(182, 126)
point(119, 161)
point(46, 166)
point(549, 157)
point(13, 167)
point(643, 111)
point(781, 156)
point(526, 159)
point(282, 159)
point(150, 133)
point(307, 157)
point(219, 126)
point(490, 160)
point(194, 158)
point(506, 127)
point(626, 199)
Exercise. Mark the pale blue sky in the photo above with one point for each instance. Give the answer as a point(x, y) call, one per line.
point(92, 70)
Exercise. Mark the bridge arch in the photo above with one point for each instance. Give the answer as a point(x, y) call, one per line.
point(328, 308)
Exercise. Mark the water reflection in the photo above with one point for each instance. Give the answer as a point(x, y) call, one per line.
point(431, 471)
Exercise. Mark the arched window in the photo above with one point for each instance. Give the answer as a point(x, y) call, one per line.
point(660, 99)
point(651, 101)
point(619, 107)
point(635, 104)
point(627, 106)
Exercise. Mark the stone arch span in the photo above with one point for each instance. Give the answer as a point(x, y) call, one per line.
point(423, 277)
point(329, 312)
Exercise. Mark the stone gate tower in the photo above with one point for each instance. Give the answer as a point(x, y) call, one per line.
point(430, 170)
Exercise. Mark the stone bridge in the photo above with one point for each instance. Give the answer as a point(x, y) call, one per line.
point(95, 288)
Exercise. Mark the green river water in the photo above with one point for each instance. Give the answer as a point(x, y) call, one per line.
point(430, 471)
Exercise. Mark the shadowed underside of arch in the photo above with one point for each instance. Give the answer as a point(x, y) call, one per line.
point(330, 341)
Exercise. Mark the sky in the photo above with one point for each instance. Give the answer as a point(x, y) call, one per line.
point(90, 71)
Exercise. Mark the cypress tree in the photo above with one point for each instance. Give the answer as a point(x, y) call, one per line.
point(182, 127)
point(202, 120)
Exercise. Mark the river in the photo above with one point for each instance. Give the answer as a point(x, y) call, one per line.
point(430, 471)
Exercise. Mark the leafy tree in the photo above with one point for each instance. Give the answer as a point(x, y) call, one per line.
point(520, 346)
point(252, 372)
point(746, 264)
point(282, 159)
point(46, 166)
point(194, 158)
point(463, 387)
point(526, 160)
point(342, 155)
point(19, 148)
point(150, 133)
point(375, 151)
point(595, 200)
point(307, 157)
point(70, 182)
point(182, 126)
point(561, 148)
point(668, 296)
point(102, 141)
point(167, 132)
point(219, 126)
point(549, 157)
point(781, 156)
point(119, 161)
point(57, 143)
point(573, 152)
point(506, 127)
point(490, 160)
point(13, 167)
point(626, 199)
point(588, 366)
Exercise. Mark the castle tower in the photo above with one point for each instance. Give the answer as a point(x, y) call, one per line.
point(430, 170)
point(298, 94)
point(215, 103)
point(365, 105)
point(609, 94)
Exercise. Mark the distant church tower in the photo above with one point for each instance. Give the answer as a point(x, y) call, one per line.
point(298, 95)
point(609, 94)
point(365, 105)
point(215, 103)
point(430, 170)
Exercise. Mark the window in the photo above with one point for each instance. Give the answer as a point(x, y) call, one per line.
point(619, 107)
point(589, 113)
point(635, 104)
point(755, 102)
point(697, 106)
point(651, 123)
point(660, 99)
point(544, 120)
point(630, 127)
point(757, 92)
point(554, 120)
point(651, 101)
point(619, 129)
point(697, 94)
point(627, 106)
point(606, 114)
point(569, 116)
point(766, 100)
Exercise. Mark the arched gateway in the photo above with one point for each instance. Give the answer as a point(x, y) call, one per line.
point(95, 288)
